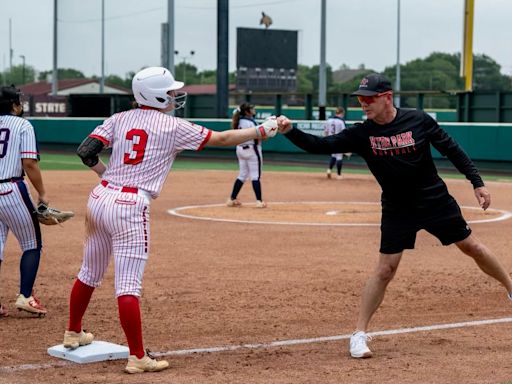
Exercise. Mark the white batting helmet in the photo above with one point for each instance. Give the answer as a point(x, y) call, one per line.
point(150, 87)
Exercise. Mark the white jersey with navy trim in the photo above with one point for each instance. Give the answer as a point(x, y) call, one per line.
point(332, 126)
point(17, 141)
point(144, 144)
point(17, 212)
point(248, 123)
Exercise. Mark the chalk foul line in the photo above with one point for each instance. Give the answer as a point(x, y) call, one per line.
point(278, 343)
point(335, 338)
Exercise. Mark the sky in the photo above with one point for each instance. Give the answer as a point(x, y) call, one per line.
point(358, 32)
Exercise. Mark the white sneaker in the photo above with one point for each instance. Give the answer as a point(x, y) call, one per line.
point(358, 347)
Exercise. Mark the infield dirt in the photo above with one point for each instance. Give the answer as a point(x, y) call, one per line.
point(210, 284)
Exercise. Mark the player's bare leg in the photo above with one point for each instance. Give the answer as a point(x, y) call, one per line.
point(373, 294)
point(485, 260)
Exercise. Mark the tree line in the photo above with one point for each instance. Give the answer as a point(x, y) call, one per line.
point(437, 72)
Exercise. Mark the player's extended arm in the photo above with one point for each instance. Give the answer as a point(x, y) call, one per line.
point(88, 151)
point(31, 168)
point(236, 136)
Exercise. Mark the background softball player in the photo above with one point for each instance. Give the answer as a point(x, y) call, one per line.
point(19, 156)
point(144, 141)
point(335, 124)
point(250, 157)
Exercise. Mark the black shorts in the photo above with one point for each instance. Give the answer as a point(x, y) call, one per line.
point(399, 227)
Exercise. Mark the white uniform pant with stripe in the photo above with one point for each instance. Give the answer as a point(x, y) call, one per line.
point(117, 224)
point(250, 160)
point(17, 213)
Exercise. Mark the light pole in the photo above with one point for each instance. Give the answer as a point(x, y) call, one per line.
point(184, 63)
point(397, 85)
point(322, 81)
point(23, 69)
point(102, 79)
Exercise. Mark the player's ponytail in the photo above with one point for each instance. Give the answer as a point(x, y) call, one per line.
point(243, 109)
point(236, 118)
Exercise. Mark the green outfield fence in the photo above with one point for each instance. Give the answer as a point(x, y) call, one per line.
point(482, 141)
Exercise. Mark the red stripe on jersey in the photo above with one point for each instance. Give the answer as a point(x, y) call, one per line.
point(102, 139)
point(205, 140)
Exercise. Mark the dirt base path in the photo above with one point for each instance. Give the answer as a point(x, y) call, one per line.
point(223, 283)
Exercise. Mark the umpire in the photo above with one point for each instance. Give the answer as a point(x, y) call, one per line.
point(395, 143)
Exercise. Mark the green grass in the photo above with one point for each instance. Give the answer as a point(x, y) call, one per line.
point(72, 162)
point(61, 162)
point(54, 161)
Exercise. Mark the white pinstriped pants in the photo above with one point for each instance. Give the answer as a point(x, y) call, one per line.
point(117, 223)
point(17, 213)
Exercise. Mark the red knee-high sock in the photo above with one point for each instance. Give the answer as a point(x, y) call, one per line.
point(129, 314)
point(78, 302)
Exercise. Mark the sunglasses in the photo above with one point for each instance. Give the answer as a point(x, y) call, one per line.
point(371, 99)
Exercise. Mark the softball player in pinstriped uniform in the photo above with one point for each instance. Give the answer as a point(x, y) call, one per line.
point(250, 157)
point(335, 124)
point(19, 155)
point(144, 141)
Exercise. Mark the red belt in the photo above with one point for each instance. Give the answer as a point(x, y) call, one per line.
point(122, 189)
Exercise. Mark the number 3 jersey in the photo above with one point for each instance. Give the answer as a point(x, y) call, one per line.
point(144, 144)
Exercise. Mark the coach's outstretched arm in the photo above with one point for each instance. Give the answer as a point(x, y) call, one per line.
point(338, 143)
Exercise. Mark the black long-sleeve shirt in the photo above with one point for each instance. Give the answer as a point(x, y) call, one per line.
point(398, 155)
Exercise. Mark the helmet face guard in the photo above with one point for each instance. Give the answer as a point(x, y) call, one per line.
point(179, 99)
point(151, 87)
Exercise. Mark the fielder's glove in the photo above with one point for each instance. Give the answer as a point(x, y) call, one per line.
point(268, 128)
point(51, 216)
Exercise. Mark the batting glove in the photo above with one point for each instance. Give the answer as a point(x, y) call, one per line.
point(268, 128)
